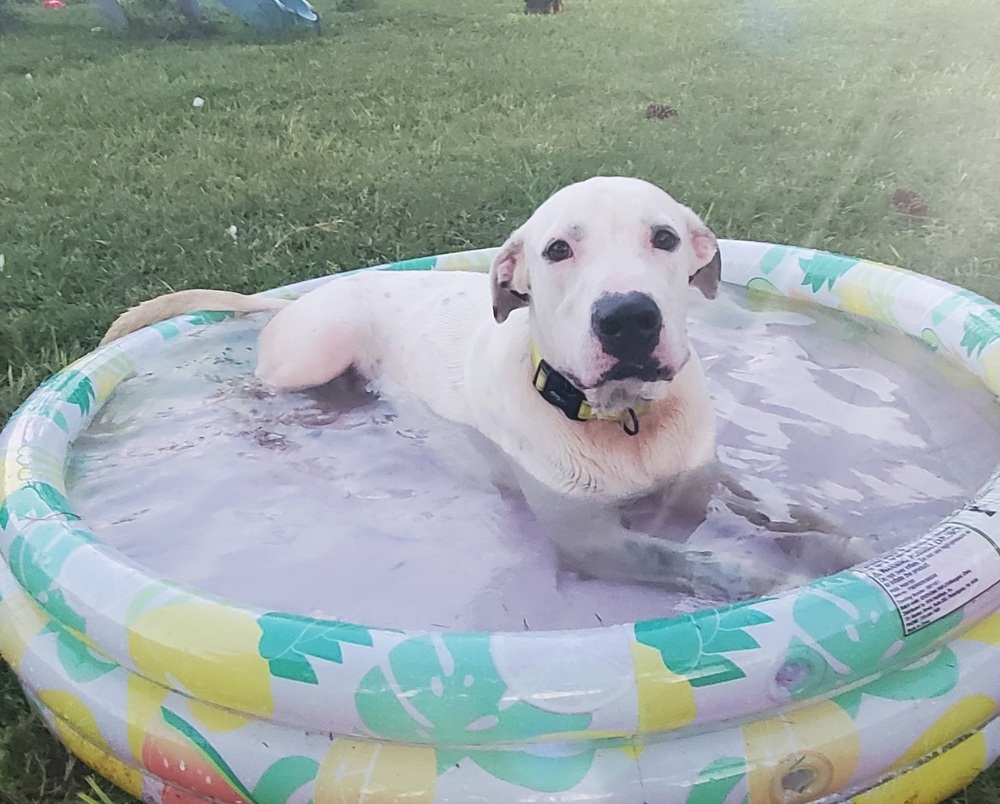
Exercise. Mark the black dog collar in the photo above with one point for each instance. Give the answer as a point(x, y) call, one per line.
point(562, 394)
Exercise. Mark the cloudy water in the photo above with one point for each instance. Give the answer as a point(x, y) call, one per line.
point(836, 440)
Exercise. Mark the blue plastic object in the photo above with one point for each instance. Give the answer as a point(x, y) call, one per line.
point(273, 15)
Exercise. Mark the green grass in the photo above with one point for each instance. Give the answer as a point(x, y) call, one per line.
point(416, 126)
point(34, 768)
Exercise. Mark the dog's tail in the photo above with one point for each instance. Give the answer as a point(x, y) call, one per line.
point(186, 301)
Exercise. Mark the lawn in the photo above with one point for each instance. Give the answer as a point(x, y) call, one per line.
point(415, 127)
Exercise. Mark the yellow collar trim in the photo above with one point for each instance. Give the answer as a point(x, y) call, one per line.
point(562, 394)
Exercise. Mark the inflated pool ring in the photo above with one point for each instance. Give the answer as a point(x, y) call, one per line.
point(880, 683)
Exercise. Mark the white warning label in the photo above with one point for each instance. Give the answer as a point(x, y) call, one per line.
point(939, 573)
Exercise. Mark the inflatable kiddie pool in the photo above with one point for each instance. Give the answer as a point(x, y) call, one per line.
point(879, 683)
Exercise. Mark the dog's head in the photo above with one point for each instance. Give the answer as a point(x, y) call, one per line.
point(604, 266)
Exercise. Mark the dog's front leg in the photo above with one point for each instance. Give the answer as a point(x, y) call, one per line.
point(643, 542)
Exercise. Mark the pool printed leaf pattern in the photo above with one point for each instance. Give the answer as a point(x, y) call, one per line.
point(68, 386)
point(694, 645)
point(36, 561)
point(953, 302)
point(36, 564)
point(772, 258)
point(845, 626)
point(81, 663)
point(54, 602)
point(930, 677)
point(106, 370)
point(33, 501)
point(824, 269)
point(718, 779)
point(167, 329)
point(980, 331)
point(446, 690)
point(416, 264)
point(203, 317)
point(73, 387)
point(288, 641)
point(284, 777)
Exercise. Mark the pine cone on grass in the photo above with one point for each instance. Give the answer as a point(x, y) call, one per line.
point(910, 205)
point(660, 111)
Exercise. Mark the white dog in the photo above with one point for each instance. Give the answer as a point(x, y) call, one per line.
point(592, 387)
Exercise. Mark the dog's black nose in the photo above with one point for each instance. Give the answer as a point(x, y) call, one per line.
point(627, 325)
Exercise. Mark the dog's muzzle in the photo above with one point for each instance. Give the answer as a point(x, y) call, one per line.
point(627, 325)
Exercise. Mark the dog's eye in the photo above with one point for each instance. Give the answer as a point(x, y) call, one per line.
point(665, 239)
point(558, 250)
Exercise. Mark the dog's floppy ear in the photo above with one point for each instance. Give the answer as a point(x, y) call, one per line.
point(709, 259)
point(509, 278)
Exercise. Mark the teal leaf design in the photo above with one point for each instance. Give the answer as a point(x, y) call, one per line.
point(283, 778)
point(416, 264)
point(35, 500)
point(209, 317)
point(77, 659)
point(717, 780)
point(74, 387)
point(980, 331)
point(36, 563)
point(82, 394)
point(180, 725)
point(918, 682)
point(772, 258)
point(167, 329)
point(822, 268)
point(54, 603)
point(954, 302)
point(80, 662)
point(850, 629)
point(36, 560)
point(541, 774)
point(288, 641)
point(445, 690)
point(694, 645)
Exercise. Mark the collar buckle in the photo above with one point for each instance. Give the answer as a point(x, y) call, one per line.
point(560, 392)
